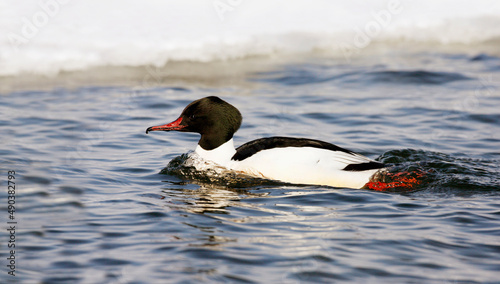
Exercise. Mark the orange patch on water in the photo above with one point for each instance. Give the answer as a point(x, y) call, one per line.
point(399, 180)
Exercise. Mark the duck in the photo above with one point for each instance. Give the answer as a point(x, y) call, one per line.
point(285, 159)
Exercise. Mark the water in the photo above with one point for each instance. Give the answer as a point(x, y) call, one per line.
point(92, 206)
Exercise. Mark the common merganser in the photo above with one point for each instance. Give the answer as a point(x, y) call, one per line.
point(286, 159)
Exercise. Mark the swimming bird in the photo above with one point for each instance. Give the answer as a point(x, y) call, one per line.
point(286, 159)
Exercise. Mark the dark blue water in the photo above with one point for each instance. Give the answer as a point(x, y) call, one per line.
point(92, 206)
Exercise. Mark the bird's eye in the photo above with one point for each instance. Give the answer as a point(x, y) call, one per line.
point(192, 116)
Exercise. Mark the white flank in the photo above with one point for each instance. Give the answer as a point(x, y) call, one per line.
point(305, 165)
point(300, 165)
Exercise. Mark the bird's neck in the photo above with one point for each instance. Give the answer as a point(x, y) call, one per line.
point(215, 138)
point(220, 155)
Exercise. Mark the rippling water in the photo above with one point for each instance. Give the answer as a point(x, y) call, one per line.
point(93, 206)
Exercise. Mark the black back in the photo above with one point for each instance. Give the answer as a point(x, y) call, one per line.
point(248, 149)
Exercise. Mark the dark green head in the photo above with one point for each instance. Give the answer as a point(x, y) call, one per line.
point(215, 119)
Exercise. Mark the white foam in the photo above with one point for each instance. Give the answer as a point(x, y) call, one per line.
point(48, 36)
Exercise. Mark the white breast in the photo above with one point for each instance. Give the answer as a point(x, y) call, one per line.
point(220, 155)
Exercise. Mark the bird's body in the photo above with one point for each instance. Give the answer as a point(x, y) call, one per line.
point(287, 159)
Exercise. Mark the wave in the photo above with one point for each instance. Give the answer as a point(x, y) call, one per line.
point(52, 36)
point(191, 167)
point(446, 174)
point(308, 74)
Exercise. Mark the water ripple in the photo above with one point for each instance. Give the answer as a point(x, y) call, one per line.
point(99, 201)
